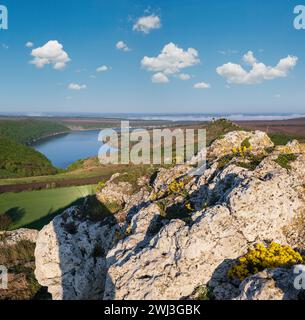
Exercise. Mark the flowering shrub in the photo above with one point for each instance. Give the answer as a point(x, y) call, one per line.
point(176, 187)
point(243, 149)
point(262, 257)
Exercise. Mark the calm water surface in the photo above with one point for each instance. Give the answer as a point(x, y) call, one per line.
point(65, 149)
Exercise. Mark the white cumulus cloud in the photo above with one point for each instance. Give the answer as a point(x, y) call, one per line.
point(202, 85)
point(249, 58)
point(121, 45)
point(171, 60)
point(259, 72)
point(102, 69)
point(147, 23)
point(75, 86)
point(50, 53)
point(159, 78)
point(29, 44)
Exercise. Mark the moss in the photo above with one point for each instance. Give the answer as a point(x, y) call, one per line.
point(284, 160)
point(246, 143)
point(114, 207)
point(162, 204)
point(253, 161)
point(224, 161)
point(269, 150)
point(203, 293)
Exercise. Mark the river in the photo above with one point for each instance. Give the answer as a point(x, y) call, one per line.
point(64, 149)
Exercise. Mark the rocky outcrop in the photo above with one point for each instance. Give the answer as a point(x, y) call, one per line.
point(71, 255)
point(115, 192)
point(243, 207)
point(149, 254)
point(259, 141)
point(292, 147)
point(276, 284)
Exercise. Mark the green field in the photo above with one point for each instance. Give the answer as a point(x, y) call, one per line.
point(34, 209)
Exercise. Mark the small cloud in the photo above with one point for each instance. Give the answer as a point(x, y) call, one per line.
point(184, 76)
point(171, 60)
point(159, 78)
point(122, 46)
point(202, 85)
point(75, 86)
point(50, 53)
point(277, 96)
point(102, 69)
point(92, 76)
point(29, 44)
point(5, 46)
point(147, 23)
point(259, 72)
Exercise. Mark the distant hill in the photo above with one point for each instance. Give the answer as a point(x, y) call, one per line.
point(18, 160)
point(27, 130)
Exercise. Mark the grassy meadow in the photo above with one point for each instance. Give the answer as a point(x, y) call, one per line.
point(34, 209)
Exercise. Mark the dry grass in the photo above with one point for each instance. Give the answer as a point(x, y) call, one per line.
point(20, 262)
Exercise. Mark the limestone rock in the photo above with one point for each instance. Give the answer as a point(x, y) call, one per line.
point(276, 284)
point(115, 192)
point(140, 253)
point(259, 141)
point(293, 146)
point(244, 207)
point(70, 255)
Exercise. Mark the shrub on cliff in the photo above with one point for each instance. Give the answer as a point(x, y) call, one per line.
point(264, 257)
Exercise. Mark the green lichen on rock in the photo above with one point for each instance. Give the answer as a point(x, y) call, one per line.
point(285, 159)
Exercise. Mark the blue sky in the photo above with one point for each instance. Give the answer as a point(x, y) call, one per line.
point(221, 32)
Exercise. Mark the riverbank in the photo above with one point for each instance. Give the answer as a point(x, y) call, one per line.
point(32, 142)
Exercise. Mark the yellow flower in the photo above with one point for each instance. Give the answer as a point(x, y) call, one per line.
point(262, 257)
point(189, 206)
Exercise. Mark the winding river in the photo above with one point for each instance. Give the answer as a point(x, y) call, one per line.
point(67, 148)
